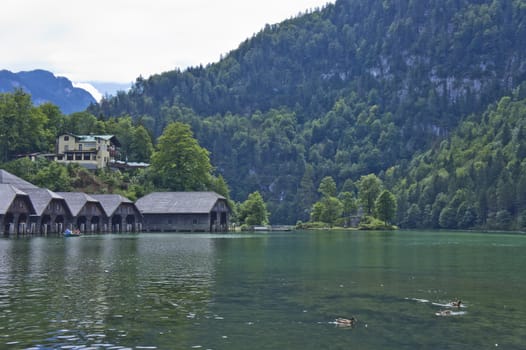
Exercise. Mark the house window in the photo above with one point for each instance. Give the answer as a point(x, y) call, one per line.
point(69, 156)
point(80, 147)
point(195, 221)
point(78, 156)
point(87, 156)
point(66, 148)
point(66, 138)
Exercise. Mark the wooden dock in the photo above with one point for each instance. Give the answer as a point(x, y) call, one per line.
point(269, 228)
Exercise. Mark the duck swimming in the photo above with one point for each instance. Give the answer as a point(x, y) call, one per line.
point(444, 313)
point(456, 303)
point(345, 322)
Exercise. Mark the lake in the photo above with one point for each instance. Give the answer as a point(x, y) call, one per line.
point(264, 291)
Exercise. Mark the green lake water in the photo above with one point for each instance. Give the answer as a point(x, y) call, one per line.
point(263, 291)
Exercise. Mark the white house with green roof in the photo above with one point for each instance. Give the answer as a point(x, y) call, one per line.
point(89, 151)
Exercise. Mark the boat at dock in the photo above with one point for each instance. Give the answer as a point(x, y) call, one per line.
point(69, 233)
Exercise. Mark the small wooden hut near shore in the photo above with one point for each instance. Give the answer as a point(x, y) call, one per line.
point(184, 211)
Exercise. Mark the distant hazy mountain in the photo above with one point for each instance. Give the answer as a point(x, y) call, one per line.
point(110, 88)
point(45, 87)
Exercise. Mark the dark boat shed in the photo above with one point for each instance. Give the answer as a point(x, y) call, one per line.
point(15, 210)
point(51, 211)
point(121, 213)
point(184, 211)
point(87, 212)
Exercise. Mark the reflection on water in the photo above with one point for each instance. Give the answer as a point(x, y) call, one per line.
point(102, 291)
point(264, 291)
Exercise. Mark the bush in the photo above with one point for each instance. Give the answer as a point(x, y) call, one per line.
point(311, 225)
point(245, 228)
point(372, 223)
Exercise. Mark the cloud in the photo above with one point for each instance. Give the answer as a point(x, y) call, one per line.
point(97, 95)
point(119, 40)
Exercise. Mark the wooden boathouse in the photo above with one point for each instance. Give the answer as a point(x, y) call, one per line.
point(15, 210)
point(184, 212)
point(28, 209)
point(88, 214)
point(121, 213)
point(52, 214)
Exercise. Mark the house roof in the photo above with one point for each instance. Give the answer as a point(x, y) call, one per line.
point(93, 138)
point(8, 193)
point(110, 202)
point(8, 178)
point(76, 201)
point(41, 197)
point(178, 202)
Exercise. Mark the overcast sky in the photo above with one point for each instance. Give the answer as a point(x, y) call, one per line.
point(118, 40)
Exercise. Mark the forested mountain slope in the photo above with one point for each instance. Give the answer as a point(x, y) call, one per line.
point(475, 178)
point(351, 89)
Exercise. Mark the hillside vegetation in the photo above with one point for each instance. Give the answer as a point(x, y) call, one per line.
point(475, 178)
point(402, 89)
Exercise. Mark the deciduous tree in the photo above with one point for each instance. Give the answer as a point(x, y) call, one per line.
point(332, 209)
point(386, 207)
point(369, 187)
point(327, 187)
point(349, 205)
point(253, 211)
point(179, 163)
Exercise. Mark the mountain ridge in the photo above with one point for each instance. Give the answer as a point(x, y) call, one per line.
point(44, 87)
point(357, 87)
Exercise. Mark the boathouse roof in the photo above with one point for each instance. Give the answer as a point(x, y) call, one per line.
point(76, 201)
point(8, 178)
point(178, 202)
point(110, 202)
point(41, 197)
point(8, 193)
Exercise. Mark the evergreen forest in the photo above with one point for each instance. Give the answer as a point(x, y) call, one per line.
point(429, 96)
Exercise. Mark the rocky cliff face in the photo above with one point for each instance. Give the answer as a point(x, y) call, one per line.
point(46, 87)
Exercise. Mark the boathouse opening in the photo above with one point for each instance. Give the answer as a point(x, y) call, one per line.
point(59, 223)
point(22, 223)
point(9, 222)
point(95, 221)
point(116, 223)
point(45, 224)
point(131, 223)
